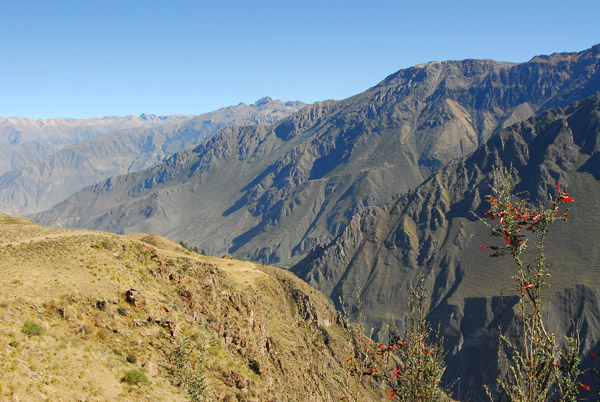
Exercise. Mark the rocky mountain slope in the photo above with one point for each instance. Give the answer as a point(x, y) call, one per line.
point(24, 140)
point(99, 317)
point(271, 194)
point(434, 230)
point(41, 184)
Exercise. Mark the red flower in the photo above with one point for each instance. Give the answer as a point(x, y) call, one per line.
point(594, 354)
point(392, 395)
point(584, 386)
point(527, 286)
point(397, 375)
point(484, 246)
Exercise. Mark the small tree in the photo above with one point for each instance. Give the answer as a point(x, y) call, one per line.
point(531, 365)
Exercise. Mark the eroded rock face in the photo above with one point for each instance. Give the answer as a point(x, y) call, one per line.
point(271, 194)
point(434, 230)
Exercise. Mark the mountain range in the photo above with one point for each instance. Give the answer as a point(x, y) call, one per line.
point(434, 230)
point(24, 140)
point(45, 181)
point(272, 193)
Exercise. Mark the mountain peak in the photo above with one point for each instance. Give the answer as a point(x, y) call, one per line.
point(263, 101)
point(147, 117)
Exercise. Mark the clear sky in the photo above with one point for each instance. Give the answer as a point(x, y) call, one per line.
point(95, 58)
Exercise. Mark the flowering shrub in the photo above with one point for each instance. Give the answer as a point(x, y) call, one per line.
point(410, 365)
point(532, 367)
point(360, 365)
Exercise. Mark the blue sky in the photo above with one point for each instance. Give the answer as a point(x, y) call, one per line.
point(99, 58)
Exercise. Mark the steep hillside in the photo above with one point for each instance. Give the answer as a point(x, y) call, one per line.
point(434, 230)
point(24, 140)
point(271, 194)
point(81, 312)
point(45, 182)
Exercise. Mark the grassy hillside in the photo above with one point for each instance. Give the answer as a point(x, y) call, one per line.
point(82, 311)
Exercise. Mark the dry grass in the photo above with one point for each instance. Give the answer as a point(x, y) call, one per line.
point(54, 278)
point(240, 317)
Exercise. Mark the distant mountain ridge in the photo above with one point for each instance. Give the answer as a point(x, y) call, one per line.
point(24, 140)
point(434, 230)
point(43, 183)
point(271, 194)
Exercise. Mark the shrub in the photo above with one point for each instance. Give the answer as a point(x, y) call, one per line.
point(186, 371)
point(135, 377)
point(532, 366)
point(413, 364)
point(410, 365)
point(30, 328)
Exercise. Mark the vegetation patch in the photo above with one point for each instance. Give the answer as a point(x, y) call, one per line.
point(135, 377)
point(31, 328)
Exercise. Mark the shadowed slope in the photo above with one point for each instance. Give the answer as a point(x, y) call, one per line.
point(434, 230)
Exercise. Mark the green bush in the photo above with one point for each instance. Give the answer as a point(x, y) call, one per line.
point(30, 328)
point(135, 377)
point(187, 372)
